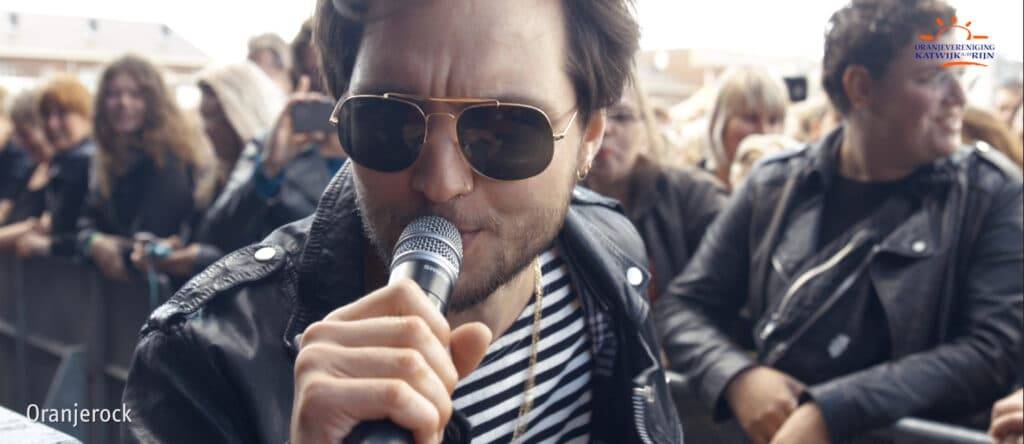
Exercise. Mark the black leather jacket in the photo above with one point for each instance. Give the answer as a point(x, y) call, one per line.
point(148, 198)
point(672, 208)
point(948, 278)
point(215, 363)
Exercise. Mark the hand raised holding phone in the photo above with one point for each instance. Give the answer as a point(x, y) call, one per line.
point(296, 127)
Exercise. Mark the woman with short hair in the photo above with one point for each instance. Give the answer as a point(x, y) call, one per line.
point(749, 101)
point(65, 107)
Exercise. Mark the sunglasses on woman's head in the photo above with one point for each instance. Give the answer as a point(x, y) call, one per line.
point(503, 141)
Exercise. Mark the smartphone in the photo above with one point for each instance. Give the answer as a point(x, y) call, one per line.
point(309, 117)
point(797, 86)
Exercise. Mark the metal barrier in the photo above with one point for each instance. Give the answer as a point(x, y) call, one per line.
point(904, 431)
point(66, 339)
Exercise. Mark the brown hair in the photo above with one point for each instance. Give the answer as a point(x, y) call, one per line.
point(869, 33)
point(66, 93)
point(603, 37)
point(165, 131)
point(981, 125)
point(297, 47)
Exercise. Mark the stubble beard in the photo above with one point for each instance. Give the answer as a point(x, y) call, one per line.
point(519, 239)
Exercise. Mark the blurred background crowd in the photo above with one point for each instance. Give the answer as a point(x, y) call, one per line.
point(126, 148)
point(140, 158)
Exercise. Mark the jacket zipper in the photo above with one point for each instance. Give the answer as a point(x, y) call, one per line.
point(773, 323)
point(641, 396)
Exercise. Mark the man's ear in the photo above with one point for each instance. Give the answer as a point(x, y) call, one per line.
point(590, 144)
point(858, 85)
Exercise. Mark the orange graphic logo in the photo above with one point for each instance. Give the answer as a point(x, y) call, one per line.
point(954, 54)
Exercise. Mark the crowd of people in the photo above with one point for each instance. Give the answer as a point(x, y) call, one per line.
point(126, 180)
point(814, 269)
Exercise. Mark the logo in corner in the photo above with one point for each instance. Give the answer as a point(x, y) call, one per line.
point(974, 50)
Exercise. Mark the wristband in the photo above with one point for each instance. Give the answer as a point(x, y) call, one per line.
point(87, 245)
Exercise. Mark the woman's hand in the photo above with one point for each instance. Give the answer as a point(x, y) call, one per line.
point(105, 251)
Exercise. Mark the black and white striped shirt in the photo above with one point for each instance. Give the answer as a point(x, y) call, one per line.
point(491, 396)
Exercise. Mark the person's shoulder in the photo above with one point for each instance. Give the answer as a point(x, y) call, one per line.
point(263, 264)
point(685, 179)
point(605, 217)
point(993, 170)
point(780, 165)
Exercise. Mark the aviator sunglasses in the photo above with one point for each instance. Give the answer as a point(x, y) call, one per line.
point(503, 141)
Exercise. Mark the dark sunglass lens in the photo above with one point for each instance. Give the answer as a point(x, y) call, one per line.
point(381, 134)
point(506, 142)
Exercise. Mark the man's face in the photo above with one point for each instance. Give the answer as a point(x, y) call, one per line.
point(509, 51)
point(918, 106)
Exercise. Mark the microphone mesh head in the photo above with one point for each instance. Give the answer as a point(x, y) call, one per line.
point(431, 234)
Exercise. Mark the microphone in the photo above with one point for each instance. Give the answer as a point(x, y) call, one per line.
point(429, 251)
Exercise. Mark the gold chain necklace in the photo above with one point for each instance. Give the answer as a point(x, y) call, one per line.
point(524, 410)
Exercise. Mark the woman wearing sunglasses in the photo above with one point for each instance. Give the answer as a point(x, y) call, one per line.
point(484, 113)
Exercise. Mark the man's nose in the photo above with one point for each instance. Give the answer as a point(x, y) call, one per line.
point(955, 95)
point(441, 173)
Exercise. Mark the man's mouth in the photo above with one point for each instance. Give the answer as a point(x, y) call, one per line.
point(468, 236)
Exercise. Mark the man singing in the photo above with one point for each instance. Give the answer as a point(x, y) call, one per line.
point(547, 338)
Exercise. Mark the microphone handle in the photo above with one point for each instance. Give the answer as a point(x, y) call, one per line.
point(378, 432)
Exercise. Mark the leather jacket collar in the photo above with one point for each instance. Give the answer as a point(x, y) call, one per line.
point(335, 242)
point(608, 265)
point(823, 165)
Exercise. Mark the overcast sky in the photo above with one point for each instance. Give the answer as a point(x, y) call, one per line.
point(221, 27)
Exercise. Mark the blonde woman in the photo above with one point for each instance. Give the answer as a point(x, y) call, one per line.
point(26, 166)
point(749, 101)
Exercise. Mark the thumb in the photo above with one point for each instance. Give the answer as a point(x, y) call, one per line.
point(469, 345)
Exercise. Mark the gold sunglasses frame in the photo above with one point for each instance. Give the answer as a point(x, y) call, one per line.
point(470, 103)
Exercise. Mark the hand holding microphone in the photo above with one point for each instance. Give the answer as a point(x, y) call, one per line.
point(390, 355)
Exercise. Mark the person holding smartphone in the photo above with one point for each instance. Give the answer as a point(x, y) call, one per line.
point(294, 162)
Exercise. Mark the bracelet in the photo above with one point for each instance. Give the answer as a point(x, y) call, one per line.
point(89, 240)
